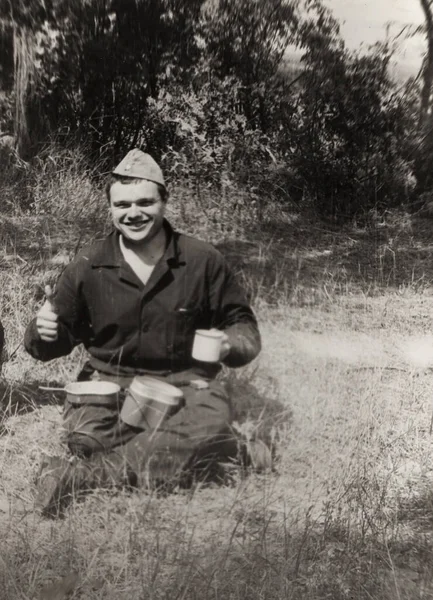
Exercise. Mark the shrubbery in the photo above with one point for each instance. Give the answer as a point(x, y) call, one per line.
point(206, 87)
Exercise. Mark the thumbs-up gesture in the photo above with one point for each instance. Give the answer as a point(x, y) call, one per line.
point(47, 321)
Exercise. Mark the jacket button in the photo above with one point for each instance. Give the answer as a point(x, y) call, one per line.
point(145, 328)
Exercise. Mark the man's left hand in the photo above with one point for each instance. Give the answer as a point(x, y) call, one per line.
point(225, 345)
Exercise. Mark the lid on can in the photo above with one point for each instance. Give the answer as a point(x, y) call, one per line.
point(145, 385)
point(94, 388)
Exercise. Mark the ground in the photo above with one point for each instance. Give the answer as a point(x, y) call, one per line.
point(344, 383)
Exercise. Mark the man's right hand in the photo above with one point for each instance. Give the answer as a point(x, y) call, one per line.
point(47, 321)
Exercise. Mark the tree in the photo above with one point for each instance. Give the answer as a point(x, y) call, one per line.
point(423, 143)
point(20, 21)
point(90, 66)
point(205, 84)
point(350, 130)
point(247, 39)
point(427, 69)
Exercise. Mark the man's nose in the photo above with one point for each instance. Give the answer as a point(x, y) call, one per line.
point(133, 211)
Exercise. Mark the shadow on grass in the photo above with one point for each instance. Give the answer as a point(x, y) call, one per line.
point(279, 257)
point(260, 413)
point(19, 398)
point(417, 511)
point(295, 256)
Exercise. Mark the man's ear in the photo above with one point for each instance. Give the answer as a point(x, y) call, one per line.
point(163, 193)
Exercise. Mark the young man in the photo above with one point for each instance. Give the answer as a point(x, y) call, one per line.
point(135, 300)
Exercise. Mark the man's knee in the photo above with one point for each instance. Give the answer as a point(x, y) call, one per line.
point(218, 402)
point(88, 429)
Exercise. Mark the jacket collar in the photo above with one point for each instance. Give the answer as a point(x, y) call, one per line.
point(110, 255)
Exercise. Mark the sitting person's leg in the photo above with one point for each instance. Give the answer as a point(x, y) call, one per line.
point(60, 479)
point(94, 428)
point(190, 441)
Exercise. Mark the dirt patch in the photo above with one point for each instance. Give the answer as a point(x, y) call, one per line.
point(347, 347)
point(360, 349)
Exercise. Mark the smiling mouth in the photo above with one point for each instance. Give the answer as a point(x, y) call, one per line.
point(137, 225)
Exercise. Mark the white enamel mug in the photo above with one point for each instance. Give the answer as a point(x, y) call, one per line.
point(207, 345)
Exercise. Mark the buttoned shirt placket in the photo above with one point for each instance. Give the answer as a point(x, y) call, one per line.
point(157, 280)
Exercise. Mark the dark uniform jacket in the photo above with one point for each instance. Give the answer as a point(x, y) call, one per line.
point(128, 327)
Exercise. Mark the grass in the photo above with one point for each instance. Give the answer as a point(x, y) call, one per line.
point(345, 380)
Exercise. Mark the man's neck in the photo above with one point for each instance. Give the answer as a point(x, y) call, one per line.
point(151, 251)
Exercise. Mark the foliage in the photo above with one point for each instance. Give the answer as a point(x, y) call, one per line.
point(206, 86)
point(352, 132)
point(248, 40)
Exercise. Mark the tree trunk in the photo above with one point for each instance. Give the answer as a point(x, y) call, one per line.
point(427, 74)
point(24, 60)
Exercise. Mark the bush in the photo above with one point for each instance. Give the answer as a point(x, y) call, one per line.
point(214, 101)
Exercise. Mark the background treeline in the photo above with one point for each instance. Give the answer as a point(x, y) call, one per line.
point(207, 87)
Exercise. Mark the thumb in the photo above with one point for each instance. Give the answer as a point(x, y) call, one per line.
point(49, 295)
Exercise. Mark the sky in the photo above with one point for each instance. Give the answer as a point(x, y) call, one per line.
point(365, 21)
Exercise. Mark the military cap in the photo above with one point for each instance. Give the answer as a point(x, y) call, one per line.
point(140, 165)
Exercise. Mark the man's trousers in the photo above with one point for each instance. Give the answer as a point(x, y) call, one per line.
point(189, 444)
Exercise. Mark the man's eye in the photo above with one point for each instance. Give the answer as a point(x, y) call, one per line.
point(121, 205)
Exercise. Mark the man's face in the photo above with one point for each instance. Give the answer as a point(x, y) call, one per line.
point(137, 210)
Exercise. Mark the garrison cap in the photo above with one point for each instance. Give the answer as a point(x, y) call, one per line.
point(140, 165)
